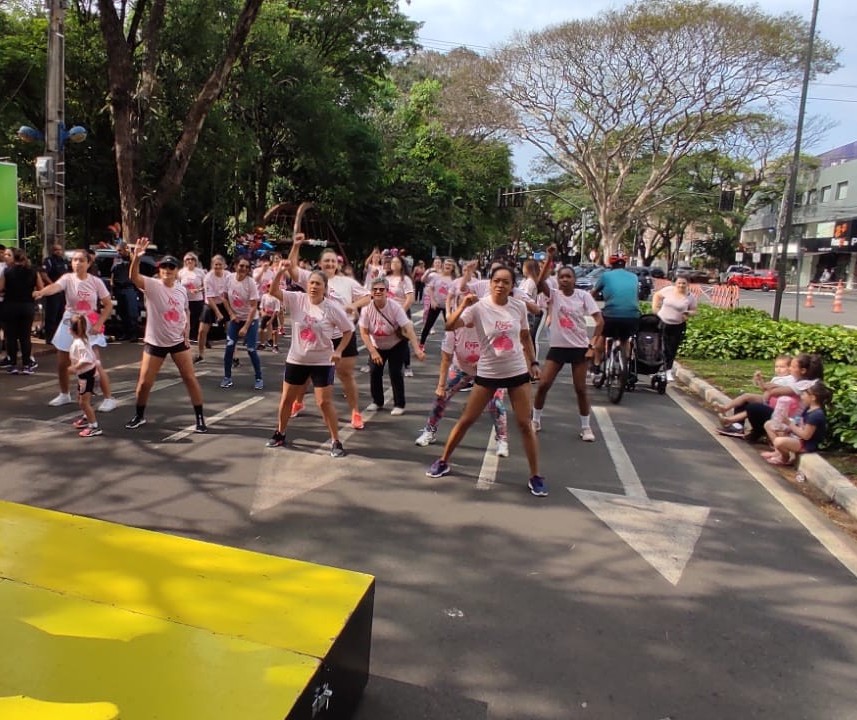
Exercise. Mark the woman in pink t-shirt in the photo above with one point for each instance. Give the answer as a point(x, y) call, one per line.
point(192, 278)
point(401, 291)
point(673, 304)
point(316, 319)
point(438, 289)
point(506, 360)
point(167, 328)
point(214, 311)
point(569, 340)
point(83, 293)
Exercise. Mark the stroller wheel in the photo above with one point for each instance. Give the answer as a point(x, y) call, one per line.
point(653, 381)
point(662, 386)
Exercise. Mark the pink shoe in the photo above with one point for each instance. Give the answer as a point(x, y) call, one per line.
point(778, 460)
point(80, 422)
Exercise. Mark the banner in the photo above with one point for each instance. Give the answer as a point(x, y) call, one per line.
point(8, 204)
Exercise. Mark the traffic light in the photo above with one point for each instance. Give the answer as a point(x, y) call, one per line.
point(727, 201)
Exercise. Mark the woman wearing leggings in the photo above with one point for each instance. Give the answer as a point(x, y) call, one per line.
point(18, 282)
point(437, 290)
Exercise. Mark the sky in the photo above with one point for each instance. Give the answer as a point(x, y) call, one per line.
point(485, 24)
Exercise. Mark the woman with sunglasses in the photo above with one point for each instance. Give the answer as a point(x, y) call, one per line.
point(316, 321)
point(167, 328)
point(242, 303)
point(192, 278)
point(214, 311)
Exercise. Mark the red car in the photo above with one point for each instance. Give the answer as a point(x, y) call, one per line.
point(761, 280)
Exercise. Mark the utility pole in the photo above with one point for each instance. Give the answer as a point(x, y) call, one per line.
point(54, 192)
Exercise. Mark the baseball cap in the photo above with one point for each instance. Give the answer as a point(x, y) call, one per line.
point(168, 261)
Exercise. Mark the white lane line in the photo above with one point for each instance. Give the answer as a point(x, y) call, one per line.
point(490, 463)
point(801, 509)
point(53, 382)
point(621, 460)
point(214, 419)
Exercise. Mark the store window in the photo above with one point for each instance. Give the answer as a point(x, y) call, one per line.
point(842, 190)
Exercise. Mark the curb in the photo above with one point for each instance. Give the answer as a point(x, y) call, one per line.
point(815, 470)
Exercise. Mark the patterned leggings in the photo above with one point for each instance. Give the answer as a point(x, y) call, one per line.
point(455, 381)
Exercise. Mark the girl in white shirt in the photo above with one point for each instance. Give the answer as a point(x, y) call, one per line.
point(506, 360)
point(83, 364)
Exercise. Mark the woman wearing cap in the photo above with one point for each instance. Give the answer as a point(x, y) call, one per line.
point(192, 278)
point(83, 293)
point(214, 311)
point(386, 332)
point(167, 328)
point(316, 321)
point(242, 303)
point(506, 360)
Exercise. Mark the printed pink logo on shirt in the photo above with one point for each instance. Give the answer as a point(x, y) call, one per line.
point(565, 321)
point(82, 306)
point(237, 302)
point(92, 318)
point(172, 315)
point(307, 335)
point(503, 343)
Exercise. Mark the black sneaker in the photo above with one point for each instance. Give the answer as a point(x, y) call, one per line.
point(336, 449)
point(733, 430)
point(235, 362)
point(32, 364)
point(201, 427)
point(278, 439)
point(6, 361)
point(135, 422)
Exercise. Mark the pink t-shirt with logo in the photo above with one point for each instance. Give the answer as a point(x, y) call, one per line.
point(263, 278)
point(498, 328)
point(399, 287)
point(463, 345)
point(340, 288)
point(215, 286)
point(568, 318)
point(166, 313)
point(193, 282)
point(241, 294)
point(314, 328)
point(382, 330)
point(440, 286)
point(82, 296)
point(269, 305)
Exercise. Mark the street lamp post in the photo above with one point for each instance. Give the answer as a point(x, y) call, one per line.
point(50, 167)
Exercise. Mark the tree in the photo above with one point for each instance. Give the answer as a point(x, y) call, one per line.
point(651, 83)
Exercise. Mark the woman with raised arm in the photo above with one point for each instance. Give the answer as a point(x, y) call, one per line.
point(83, 293)
point(569, 340)
point(506, 360)
point(316, 321)
point(167, 333)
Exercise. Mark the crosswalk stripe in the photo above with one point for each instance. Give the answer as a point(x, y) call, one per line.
point(214, 419)
point(490, 463)
point(52, 382)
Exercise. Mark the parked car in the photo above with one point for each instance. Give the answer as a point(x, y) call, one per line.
point(734, 270)
point(581, 270)
point(657, 272)
point(587, 282)
point(692, 274)
point(764, 280)
point(645, 282)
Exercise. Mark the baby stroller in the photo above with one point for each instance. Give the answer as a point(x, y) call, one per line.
point(648, 354)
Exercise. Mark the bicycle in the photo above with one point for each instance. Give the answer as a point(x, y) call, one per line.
point(615, 374)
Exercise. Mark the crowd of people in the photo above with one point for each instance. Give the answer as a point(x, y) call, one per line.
point(492, 322)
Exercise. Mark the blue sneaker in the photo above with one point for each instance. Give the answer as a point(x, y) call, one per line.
point(438, 469)
point(537, 486)
point(226, 383)
point(258, 385)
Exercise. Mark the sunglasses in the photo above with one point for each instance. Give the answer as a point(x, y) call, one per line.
point(243, 266)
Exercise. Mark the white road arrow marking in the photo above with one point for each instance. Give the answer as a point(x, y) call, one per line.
point(663, 533)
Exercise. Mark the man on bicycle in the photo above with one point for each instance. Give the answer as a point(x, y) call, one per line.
point(621, 311)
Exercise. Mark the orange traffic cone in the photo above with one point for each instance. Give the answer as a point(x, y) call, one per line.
point(837, 298)
point(808, 302)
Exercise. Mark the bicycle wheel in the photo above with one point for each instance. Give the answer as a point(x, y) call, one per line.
point(616, 377)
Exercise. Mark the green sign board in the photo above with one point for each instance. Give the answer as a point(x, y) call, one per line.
point(8, 204)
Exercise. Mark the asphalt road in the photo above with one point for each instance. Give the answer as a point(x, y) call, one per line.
point(669, 574)
point(793, 306)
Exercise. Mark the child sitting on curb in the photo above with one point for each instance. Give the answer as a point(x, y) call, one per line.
point(804, 433)
point(734, 422)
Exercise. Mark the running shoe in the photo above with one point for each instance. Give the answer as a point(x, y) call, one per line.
point(33, 364)
point(468, 387)
point(408, 372)
point(80, 422)
point(397, 411)
point(260, 346)
point(201, 427)
point(278, 439)
point(372, 407)
point(275, 349)
point(502, 448)
point(27, 370)
point(198, 359)
point(364, 369)
point(438, 468)
point(297, 407)
point(90, 431)
point(733, 430)
point(6, 362)
point(587, 435)
point(356, 420)
point(226, 383)
point(235, 362)
point(108, 405)
point(537, 486)
point(336, 449)
point(135, 422)
point(61, 399)
point(428, 437)
point(258, 385)
point(536, 424)
point(12, 370)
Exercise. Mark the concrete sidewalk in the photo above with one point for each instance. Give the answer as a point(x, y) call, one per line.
point(814, 469)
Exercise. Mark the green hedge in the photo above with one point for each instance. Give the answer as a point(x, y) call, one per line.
point(747, 333)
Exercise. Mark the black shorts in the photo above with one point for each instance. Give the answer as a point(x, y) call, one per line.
point(209, 318)
point(161, 352)
point(266, 319)
point(350, 349)
point(620, 328)
point(321, 375)
point(563, 355)
point(86, 382)
point(497, 383)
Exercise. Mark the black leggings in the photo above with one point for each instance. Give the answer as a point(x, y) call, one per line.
point(429, 320)
point(673, 336)
point(395, 359)
point(19, 324)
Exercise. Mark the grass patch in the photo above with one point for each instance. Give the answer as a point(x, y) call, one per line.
point(733, 377)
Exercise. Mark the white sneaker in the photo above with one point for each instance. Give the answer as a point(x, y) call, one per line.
point(502, 448)
point(537, 425)
point(397, 411)
point(587, 435)
point(670, 376)
point(61, 399)
point(371, 407)
point(409, 372)
point(108, 405)
point(426, 438)
point(364, 369)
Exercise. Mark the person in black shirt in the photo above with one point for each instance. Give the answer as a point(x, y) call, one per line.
point(54, 267)
point(127, 300)
point(18, 282)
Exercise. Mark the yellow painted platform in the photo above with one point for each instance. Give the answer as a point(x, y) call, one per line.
point(100, 618)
